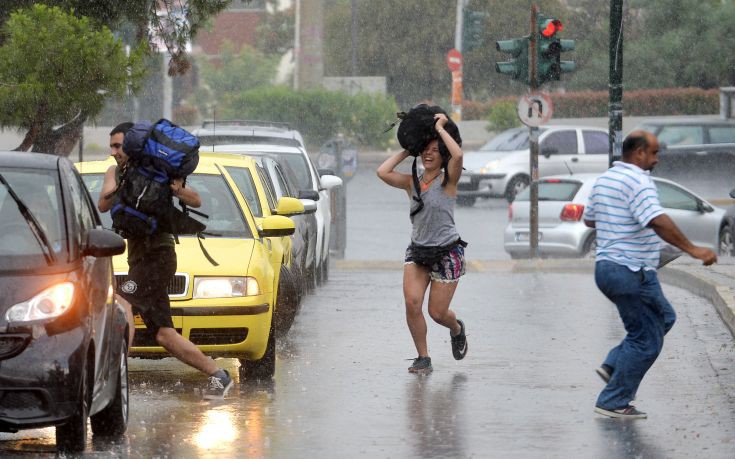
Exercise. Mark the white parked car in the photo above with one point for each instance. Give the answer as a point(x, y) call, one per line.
point(238, 132)
point(562, 232)
point(311, 186)
point(501, 167)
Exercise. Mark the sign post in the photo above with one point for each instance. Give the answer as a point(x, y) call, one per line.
point(454, 63)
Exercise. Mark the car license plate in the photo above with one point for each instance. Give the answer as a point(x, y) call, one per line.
point(525, 237)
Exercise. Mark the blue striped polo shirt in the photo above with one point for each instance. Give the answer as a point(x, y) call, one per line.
point(622, 203)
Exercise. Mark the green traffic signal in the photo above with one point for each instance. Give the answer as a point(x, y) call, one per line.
point(517, 66)
point(549, 48)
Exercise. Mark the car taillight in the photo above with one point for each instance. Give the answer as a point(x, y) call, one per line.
point(572, 213)
point(510, 212)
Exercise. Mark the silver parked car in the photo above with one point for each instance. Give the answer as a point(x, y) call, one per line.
point(562, 233)
point(500, 167)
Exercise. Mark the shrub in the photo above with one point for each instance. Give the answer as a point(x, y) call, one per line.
point(503, 115)
point(319, 114)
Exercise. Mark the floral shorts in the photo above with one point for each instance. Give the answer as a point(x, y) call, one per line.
point(448, 269)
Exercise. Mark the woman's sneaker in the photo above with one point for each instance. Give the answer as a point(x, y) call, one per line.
point(459, 342)
point(629, 412)
point(421, 365)
point(219, 384)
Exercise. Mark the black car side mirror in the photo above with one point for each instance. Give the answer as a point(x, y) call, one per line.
point(704, 207)
point(732, 193)
point(547, 152)
point(309, 194)
point(102, 243)
point(325, 172)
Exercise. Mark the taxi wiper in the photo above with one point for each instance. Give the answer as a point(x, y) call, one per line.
point(36, 229)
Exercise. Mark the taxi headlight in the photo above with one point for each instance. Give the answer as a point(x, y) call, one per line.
point(48, 304)
point(491, 166)
point(225, 287)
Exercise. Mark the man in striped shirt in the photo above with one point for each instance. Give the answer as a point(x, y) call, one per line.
point(630, 223)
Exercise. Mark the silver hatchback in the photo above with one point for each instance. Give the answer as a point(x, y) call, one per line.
point(562, 233)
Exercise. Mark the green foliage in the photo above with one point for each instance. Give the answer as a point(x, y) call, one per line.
point(503, 115)
point(319, 114)
point(275, 32)
point(234, 73)
point(55, 66)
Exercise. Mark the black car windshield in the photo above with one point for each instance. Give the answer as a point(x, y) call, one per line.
point(225, 218)
point(552, 190)
point(297, 163)
point(40, 191)
point(510, 140)
point(246, 139)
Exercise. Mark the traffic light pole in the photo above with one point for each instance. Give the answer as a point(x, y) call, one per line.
point(533, 140)
point(615, 107)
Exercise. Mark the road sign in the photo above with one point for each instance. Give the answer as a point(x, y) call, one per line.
point(454, 60)
point(535, 109)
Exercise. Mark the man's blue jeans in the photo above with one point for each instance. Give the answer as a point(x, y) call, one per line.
point(647, 316)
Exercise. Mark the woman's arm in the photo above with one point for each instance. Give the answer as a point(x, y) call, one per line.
point(455, 162)
point(395, 179)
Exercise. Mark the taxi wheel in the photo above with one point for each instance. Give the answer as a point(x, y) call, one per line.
point(287, 304)
point(113, 420)
point(71, 437)
point(261, 369)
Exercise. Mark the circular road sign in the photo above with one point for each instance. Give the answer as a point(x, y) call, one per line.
point(535, 109)
point(454, 60)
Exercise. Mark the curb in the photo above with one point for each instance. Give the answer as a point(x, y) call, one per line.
point(722, 297)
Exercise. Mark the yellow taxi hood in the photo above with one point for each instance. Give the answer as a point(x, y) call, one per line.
point(233, 256)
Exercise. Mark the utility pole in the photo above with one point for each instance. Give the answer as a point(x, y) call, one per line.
point(533, 138)
point(457, 74)
point(615, 106)
point(353, 36)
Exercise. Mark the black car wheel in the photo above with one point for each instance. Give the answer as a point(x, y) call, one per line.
point(515, 186)
point(466, 201)
point(287, 302)
point(726, 244)
point(325, 270)
point(589, 249)
point(71, 437)
point(113, 420)
point(264, 368)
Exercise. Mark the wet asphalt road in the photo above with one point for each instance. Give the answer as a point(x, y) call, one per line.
point(526, 389)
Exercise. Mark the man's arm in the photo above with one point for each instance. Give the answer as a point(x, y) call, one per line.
point(669, 232)
point(188, 196)
point(104, 203)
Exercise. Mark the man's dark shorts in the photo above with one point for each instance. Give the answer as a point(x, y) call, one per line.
point(147, 287)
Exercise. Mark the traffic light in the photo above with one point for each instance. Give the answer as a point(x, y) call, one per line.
point(517, 66)
point(473, 29)
point(549, 48)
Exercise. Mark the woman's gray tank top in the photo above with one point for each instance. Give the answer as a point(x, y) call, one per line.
point(434, 225)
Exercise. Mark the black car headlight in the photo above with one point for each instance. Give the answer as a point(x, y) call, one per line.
point(50, 303)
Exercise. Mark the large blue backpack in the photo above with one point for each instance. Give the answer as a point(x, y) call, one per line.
point(157, 153)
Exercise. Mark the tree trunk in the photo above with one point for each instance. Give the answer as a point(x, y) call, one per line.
point(60, 141)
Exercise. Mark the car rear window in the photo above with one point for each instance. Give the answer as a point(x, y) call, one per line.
point(561, 190)
point(247, 139)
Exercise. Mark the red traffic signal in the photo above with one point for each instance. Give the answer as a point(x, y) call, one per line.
point(551, 27)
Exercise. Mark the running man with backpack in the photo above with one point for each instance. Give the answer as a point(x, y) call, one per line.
point(152, 264)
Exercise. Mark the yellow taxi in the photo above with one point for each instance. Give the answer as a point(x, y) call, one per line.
point(226, 310)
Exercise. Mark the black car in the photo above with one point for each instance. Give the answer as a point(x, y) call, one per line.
point(63, 337)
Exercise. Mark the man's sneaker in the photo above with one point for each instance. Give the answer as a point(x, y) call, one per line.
point(219, 384)
point(604, 372)
point(629, 412)
point(421, 365)
point(459, 342)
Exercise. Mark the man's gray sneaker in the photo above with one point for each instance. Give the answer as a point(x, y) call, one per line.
point(219, 384)
point(604, 372)
point(459, 342)
point(629, 412)
point(421, 365)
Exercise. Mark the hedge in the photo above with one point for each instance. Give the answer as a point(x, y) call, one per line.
point(319, 114)
point(644, 102)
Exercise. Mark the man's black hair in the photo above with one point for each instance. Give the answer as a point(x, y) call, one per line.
point(633, 142)
point(121, 128)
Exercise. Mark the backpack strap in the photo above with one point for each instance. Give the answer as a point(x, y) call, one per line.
point(200, 237)
point(417, 187)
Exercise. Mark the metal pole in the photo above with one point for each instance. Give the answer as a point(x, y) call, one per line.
point(615, 106)
point(533, 133)
point(458, 25)
point(353, 37)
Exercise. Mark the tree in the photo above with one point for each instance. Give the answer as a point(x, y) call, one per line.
point(275, 33)
point(57, 69)
point(236, 72)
